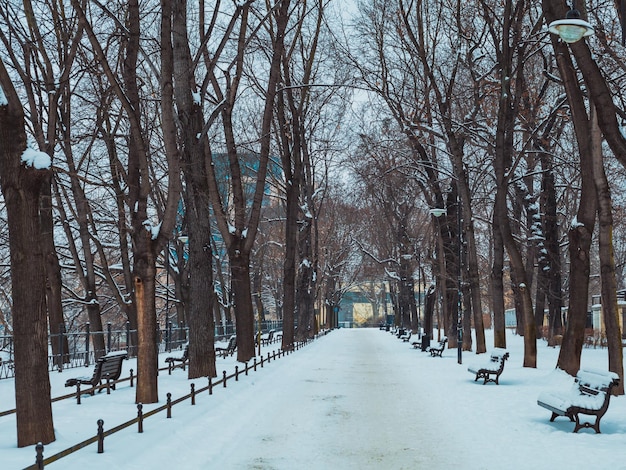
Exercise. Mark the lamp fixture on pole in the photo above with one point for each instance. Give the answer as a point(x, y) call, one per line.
point(572, 28)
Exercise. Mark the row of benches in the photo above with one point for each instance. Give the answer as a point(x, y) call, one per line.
point(221, 349)
point(108, 368)
point(590, 394)
point(226, 350)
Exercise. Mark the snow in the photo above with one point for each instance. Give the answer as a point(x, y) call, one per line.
point(153, 229)
point(353, 399)
point(36, 159)
point(3, 98)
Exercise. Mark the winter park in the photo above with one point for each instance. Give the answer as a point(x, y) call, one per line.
point(369, 234)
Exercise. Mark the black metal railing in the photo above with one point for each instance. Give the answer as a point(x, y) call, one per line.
point(81, 343)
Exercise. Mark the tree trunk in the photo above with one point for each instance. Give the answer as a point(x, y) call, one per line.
point(497, 287)
point(147, 358)
point(53, 277)
point(607, 259)
point(242, 300)
point(551, 232)
point(197, 204)
point(292, 169)
point(201, 321)
point(580, 234)
point(22, 187)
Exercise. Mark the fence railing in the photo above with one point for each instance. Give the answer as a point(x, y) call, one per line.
point(81, 345)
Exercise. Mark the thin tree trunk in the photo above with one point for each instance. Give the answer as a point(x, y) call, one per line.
point(242, 295)
point(607, 259)
point(497, 287)
point(551, 232)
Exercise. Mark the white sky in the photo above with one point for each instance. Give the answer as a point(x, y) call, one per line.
point(354, 399)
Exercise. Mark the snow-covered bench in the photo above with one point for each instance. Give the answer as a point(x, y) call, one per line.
point(228, 349)
point(438, 351)
point(406, 336)
point(493, 367)
point(183, 360)
point(418, 342)
point(589, 395)
point(267, 338)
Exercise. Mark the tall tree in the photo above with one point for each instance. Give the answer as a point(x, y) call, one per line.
point(194, 152)
point(147, 241)
point(239, 223)
point(23, 173)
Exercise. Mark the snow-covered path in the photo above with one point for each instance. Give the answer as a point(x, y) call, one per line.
point(353, 399)
point(353, 409)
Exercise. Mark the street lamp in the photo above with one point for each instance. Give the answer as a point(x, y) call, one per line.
point(572, 28)
point(438, 212)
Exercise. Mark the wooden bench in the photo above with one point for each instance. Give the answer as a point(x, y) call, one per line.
point(422, 342)
point(108, 368)
point(438, 351)
point(182, 360)
point(493, 367)
point(589, 395)
point(229, 349)
point(406, 336)
point(267, 338)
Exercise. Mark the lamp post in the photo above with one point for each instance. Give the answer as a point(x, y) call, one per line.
point(438, 212)
point(572, 28)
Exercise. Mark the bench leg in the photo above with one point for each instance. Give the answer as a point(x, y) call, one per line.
point(595, 426)
point(555, 415)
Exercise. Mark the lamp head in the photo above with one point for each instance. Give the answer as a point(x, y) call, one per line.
point(572, 28)
point(438, 212)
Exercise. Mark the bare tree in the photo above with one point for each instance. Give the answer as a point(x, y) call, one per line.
point(238, 227)
point(147, 243)
point(23, 174)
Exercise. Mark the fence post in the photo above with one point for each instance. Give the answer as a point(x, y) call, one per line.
point(132, 377)
point(139, 417)
point(224, 378)
point(87, 337)
point(78, 393)
point(193, 394)
point(100, 436)
point(169, 405)
point(210, 386)
point(39, 455)
point(236, 373)
point(61, 331)
point(109, 334)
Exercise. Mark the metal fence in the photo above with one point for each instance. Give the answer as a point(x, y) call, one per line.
point(80, 350)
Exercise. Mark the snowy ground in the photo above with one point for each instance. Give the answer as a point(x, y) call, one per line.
point(354, 399)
